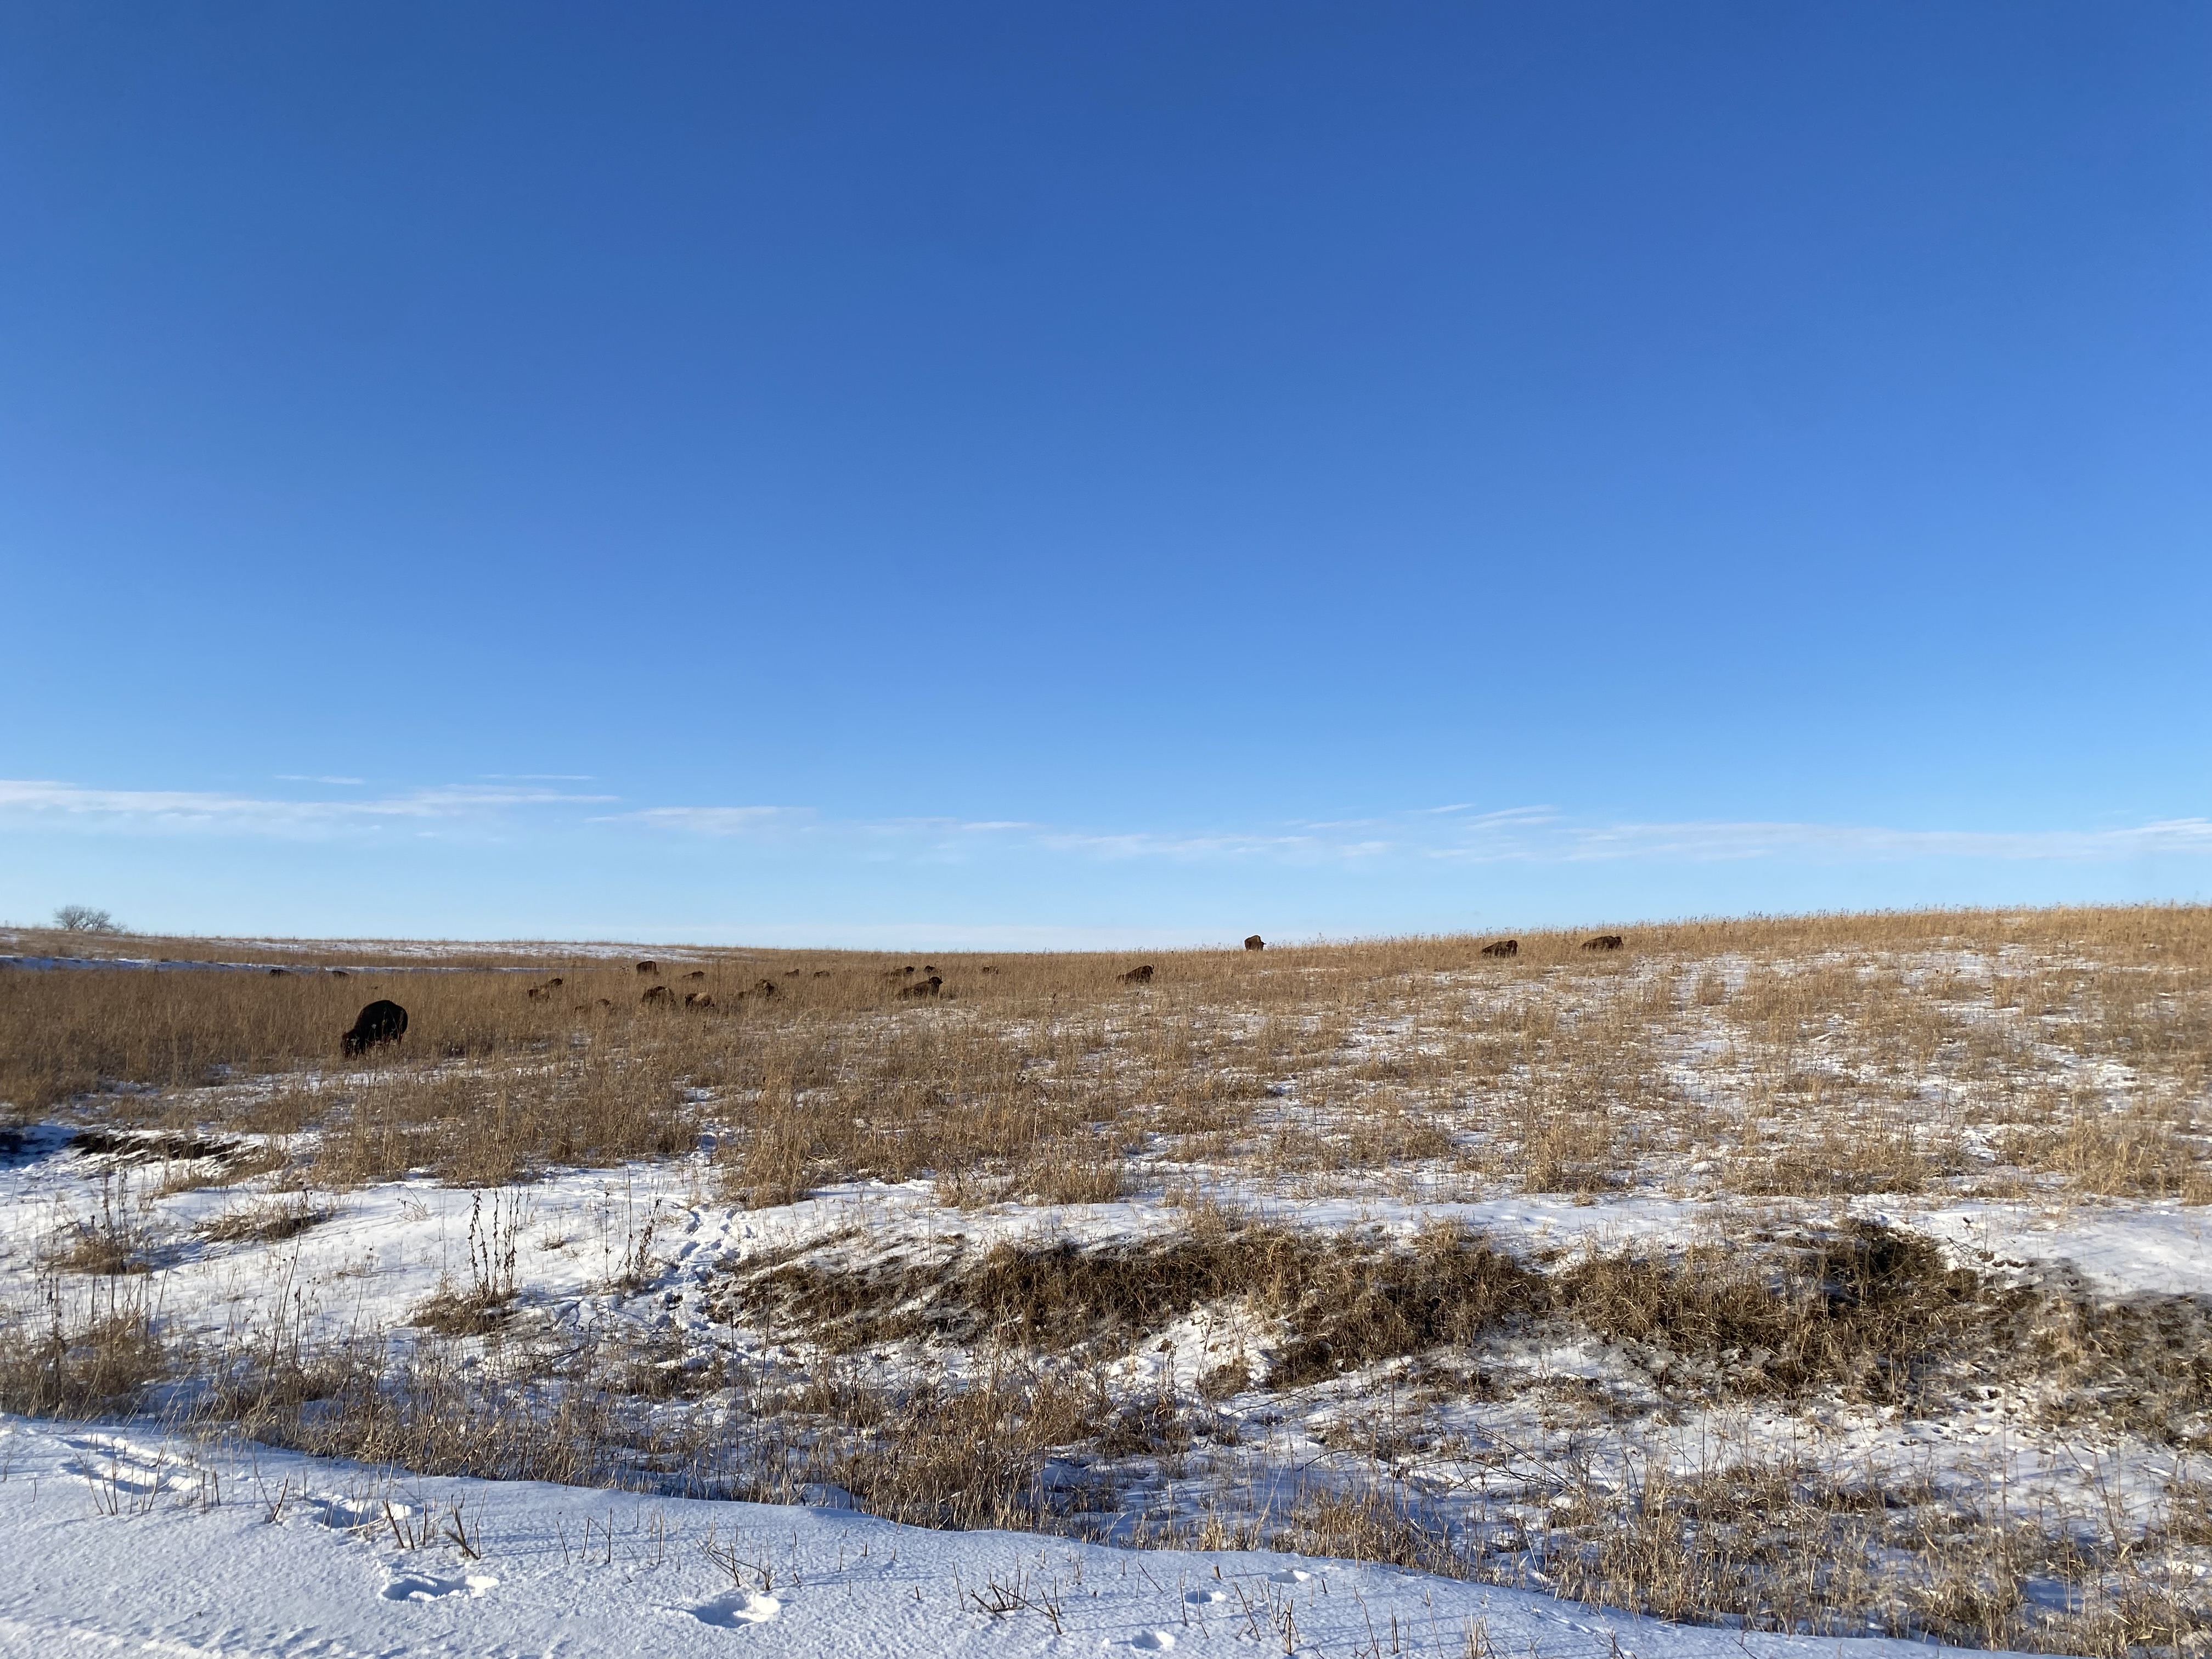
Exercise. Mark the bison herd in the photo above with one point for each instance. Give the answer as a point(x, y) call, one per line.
point(386, 1022)
point(1511, 947)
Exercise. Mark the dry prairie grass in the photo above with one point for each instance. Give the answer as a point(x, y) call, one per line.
point(1817, 1056)
point(2061, 1056)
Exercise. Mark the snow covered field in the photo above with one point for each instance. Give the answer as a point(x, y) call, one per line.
point(1850, 1279)
point(128, 1541)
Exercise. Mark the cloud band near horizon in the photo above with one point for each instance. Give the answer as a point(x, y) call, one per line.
point(1456, 833)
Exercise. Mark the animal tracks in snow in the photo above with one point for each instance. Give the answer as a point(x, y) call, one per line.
point(736, 1610)
point(428, 1587)
point(116, 1465)
point(342, 1514)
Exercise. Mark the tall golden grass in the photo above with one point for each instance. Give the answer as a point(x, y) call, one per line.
point(1835, 1054)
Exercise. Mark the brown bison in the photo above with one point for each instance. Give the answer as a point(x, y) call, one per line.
point(764, 988)
point(1139, 975)
point(1504, 947)
point(381, 1023)
point(1253, 942)
point(552, 982)
point(924, 987)
point(1602, 942)
point(698, 998)
point(648, 967)
point(821, 972)
point(696, 973)
point(659, 995)
point(534, 992)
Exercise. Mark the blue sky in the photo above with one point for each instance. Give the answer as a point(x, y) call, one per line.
point(905, 476)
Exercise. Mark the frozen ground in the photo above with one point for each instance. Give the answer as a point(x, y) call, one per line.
point(129, 1542)
point(1843, 1289)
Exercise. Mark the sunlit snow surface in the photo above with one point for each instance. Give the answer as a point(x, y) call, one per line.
point(126, 1542)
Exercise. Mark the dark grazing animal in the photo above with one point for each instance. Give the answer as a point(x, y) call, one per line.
point(657, 995)
point(924, 987)
point(987, 969)
point(276, 972)
point(696, 973)
point(648, 967)
point(1504, 947)
point(698, 998)
point(765, 987)
point(340, 973)
point(381, 1023)
point(1602, 942)
point(534, 991)
point(821, 972)
point(556, 980)
point(1253, 942)
point(1141, 975)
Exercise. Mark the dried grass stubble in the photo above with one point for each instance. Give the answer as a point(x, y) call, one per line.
point(1873, 1312)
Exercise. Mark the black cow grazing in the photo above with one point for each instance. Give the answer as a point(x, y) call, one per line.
point(648, 967)
point(381, 1023)
point(698, 998)
point(1139, 976)
point(657, 995)
point(1602, 942)
point(1253, 942)
point(924, 987)
point(1504, 947)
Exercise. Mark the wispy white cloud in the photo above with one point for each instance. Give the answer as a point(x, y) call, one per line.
point(721, 820)
point(1458, 834)
point(765, 821)
point(1562, 841)
point(25, 802)
point(1454, 834)
point(311, 777)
